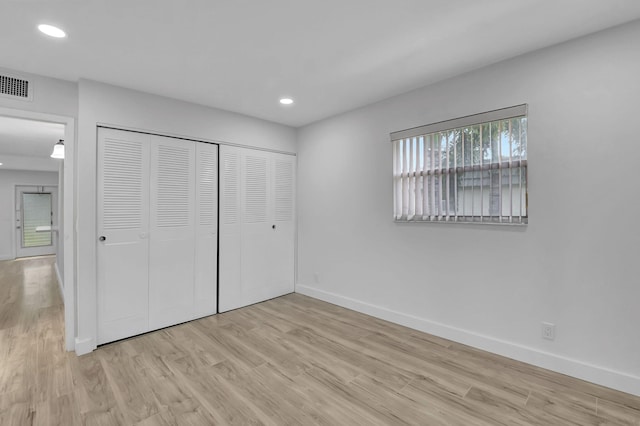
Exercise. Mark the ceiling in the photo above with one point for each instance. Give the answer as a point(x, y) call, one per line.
point(27, 144)
point(330, 56)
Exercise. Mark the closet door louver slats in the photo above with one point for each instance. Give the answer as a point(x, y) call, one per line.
point(283, 190)
point(122, 190)
point(174, 169)
point(230, 187)
point(255, 189)
point(207, 157)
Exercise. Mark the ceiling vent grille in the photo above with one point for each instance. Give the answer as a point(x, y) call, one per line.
point(15, 88)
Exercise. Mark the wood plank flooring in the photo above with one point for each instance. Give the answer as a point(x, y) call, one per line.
point(289, 361)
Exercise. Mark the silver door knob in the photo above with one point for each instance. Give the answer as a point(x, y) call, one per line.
point(102, 238)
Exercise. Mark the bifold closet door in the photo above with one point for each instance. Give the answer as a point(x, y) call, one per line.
point(184, 241)
point(206, 255)
point(257, 226)
point(172, 232)
point(157, 212)
point(282, 254)
point(123, 226)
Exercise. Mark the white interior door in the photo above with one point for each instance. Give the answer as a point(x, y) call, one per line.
point(123, 228)
point(157, 222)
point(172, 239)
point(36, 220)
point(282, 259)
point(206, 257)
point(257, 226)
point(229, 285)
point(256, 234)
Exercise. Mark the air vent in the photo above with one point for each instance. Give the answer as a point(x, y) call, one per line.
point(15, 88)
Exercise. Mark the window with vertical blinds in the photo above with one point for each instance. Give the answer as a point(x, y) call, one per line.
point(471, 169)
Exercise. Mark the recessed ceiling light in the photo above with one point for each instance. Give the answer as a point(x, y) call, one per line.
point(286, 101)
point(52, 31)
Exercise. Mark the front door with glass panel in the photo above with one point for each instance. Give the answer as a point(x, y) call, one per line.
point(36, 220)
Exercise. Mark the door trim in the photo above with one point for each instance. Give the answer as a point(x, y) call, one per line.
point(69, 209)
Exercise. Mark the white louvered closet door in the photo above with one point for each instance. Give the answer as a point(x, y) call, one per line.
point(206, 257)
point(256, 227)
point(283, 229)
point(172, 232)
point(256, 237)
point(123, 225)
point(229, 289)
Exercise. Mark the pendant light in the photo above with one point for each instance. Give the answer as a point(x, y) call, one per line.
point(58, 149)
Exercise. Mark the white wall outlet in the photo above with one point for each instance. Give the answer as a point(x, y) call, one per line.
point(316, 277)
point(548, 331)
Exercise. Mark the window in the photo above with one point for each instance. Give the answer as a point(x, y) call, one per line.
point(467, 170)
point(36, 212)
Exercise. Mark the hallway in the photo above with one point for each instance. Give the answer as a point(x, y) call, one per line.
point(34, 367)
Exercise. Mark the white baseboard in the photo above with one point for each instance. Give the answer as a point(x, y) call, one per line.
point(84, 346)
point(596, 374)
point(9, 257)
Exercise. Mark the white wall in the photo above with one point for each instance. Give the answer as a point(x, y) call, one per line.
point(60, 250)
point(119, 107)
point(19, 162)
point(8, 181)
point(573, 265)
point(50, 95)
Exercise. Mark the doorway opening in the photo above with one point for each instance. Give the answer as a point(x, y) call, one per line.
point(29, 182)
point(37, 194)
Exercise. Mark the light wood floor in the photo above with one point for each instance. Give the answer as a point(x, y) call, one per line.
point(288, 361)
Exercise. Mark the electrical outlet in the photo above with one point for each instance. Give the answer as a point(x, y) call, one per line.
point(316, 277)
point(548, 331)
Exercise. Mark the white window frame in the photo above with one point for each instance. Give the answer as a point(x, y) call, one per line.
point(430, 167)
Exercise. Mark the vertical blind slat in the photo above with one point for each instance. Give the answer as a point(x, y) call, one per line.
point(395, 190)
point(437, 161)
point(520, 172)
point(398, 173)
point(425, 183)
point(510, 172)
point(463, 175)
point(481, 172)
point(473, 177)
point(455, 178)
point(431, 177)
point(500, 171)
point(448, 181)
point(405, 180)
point(419, 178)
point(412, 199)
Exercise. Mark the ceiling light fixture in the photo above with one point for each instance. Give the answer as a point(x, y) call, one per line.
point(286, 101)
point(58, 150)
point(52, 31)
